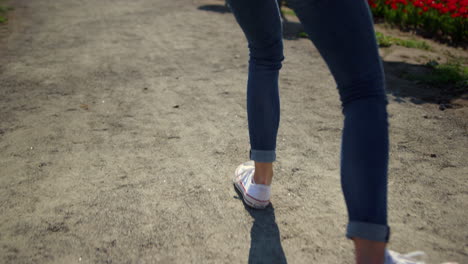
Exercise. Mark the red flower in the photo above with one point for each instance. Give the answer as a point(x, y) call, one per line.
point(452, 7)
point(418, 4)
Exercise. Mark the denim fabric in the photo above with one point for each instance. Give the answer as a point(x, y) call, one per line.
point(343, 33)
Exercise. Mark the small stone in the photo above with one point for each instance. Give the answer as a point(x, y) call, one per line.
point(175, 106)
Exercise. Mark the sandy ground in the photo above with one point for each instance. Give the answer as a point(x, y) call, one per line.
point(121, 123)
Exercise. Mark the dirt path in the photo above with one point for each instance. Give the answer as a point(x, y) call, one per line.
point(121, 123)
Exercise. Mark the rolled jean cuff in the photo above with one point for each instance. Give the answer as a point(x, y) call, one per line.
point(369, 231)
point(263, 155)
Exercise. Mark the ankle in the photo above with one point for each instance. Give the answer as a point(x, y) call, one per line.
point(369, 252)
point(263, 173)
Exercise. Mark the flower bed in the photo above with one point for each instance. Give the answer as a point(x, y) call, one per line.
point(446, 18)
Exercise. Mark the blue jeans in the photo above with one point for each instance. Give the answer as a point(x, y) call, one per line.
point(343, 33)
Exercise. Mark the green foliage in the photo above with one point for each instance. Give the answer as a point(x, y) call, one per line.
point(3, 11)
point(289, 12)
point(302, 34)
point(387, 41)
point(382, 40)
point(449, 74)
point(453, 74)
point(413, 44)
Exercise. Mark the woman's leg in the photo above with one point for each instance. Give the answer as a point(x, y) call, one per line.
point(342, 31)
point(260, 20)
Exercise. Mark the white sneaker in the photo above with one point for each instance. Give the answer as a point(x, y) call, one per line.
point(416, 257)
point(254, 195)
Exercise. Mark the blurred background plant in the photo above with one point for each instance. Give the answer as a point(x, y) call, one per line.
point(446, 19)
point(3, 10)
point(387, 41)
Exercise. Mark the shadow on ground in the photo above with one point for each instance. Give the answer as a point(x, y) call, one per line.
point(399, 84)
point(215, 8)
point(265, 239)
